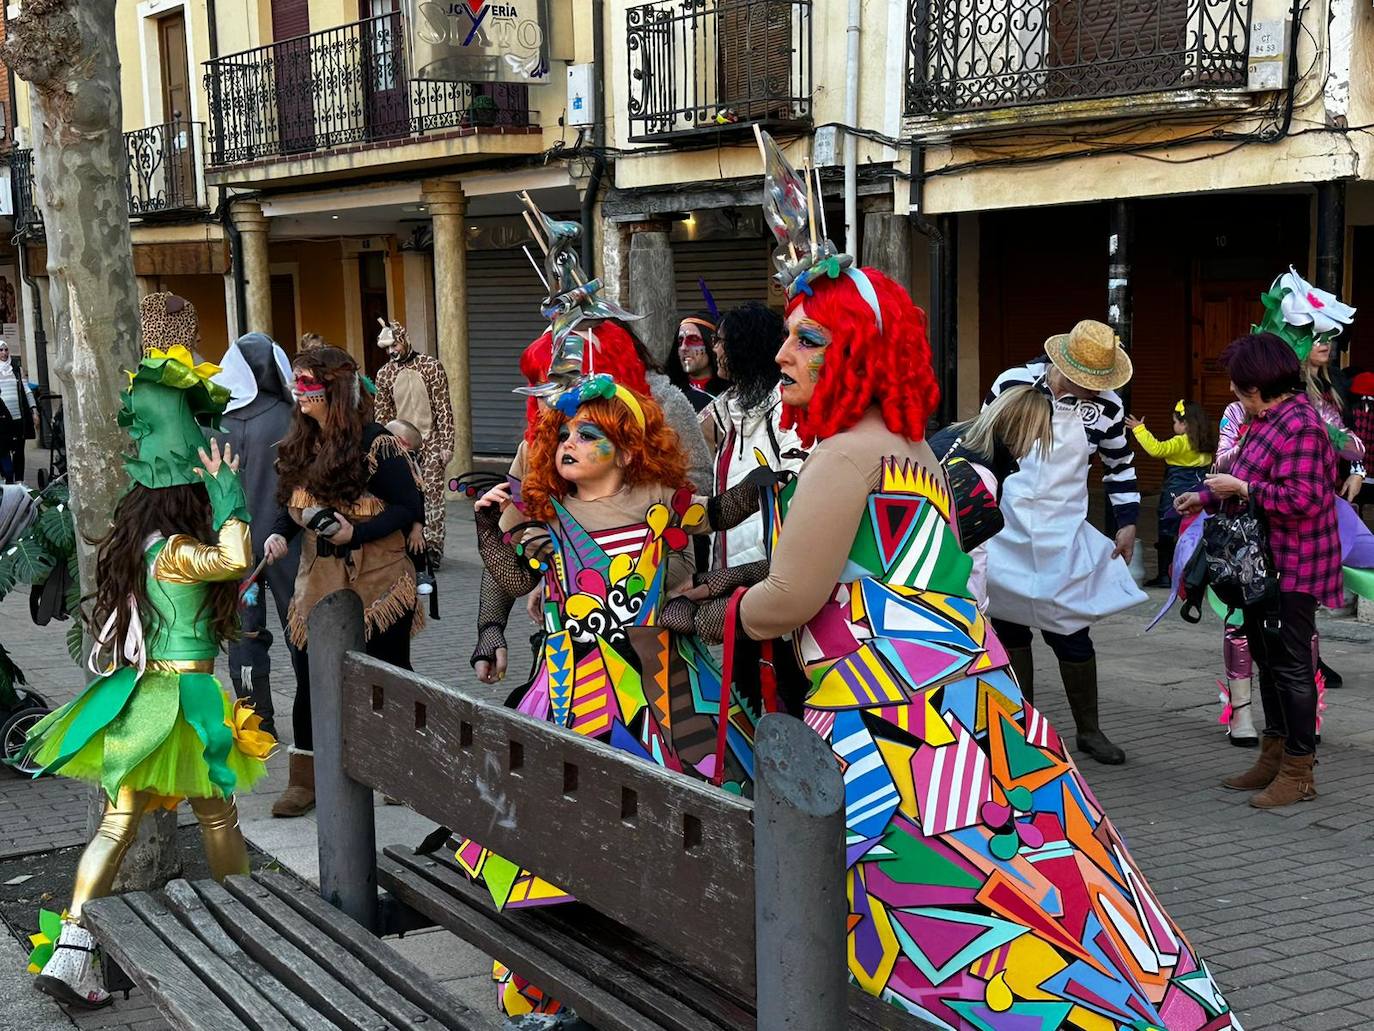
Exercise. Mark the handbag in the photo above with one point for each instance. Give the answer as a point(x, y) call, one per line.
point(975, 508)
point(1234, 561)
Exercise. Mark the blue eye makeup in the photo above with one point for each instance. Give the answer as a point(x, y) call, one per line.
point(811, 335)
point(563, 433)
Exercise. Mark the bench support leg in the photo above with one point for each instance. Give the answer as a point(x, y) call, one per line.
point(343, 807)
point(800, 902)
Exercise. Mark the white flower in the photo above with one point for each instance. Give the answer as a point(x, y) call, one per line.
point(1305, 305)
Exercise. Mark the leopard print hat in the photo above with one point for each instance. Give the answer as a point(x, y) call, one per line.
point(166, 319)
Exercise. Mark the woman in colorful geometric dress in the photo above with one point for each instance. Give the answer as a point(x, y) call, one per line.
point(987, 888)
point(598, 518)
point(157, 727)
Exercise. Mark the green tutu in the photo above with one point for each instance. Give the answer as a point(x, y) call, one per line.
point(173, 735)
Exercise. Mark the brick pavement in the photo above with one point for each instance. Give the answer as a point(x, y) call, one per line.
point(1274, 901)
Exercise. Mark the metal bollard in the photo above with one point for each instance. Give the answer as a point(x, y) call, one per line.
point(343, 807)
point(800, 905)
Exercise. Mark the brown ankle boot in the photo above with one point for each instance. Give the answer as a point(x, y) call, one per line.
point(299, 796)
point(1266, 767)
point(1293, 784)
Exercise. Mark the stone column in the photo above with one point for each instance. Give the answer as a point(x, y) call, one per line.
point(419, 313)
point(653, 292)
point(353, 308)
point(257, 273)
point(447, 208)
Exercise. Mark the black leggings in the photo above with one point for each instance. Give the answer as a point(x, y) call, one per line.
point(390, 645)
point(1288, 681)
point(1074, 647)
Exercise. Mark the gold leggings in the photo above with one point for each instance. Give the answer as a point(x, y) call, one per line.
point(219, 828)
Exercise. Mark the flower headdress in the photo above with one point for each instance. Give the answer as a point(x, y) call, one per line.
point(571, 300)
point(1302, 314)
point(804, 252)
point(170, 403)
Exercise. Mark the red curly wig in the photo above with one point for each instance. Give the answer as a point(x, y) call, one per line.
point(863, 367)
point(612, 351)
point(652, 454)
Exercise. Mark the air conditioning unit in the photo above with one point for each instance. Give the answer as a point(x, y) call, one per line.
point(1268, 54)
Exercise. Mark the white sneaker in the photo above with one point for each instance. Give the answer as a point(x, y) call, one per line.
point(72, 975)
point(1241, 726)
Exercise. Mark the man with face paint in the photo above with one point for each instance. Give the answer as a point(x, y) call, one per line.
point(692, 364)
point(413, 387)
point(1049, 569)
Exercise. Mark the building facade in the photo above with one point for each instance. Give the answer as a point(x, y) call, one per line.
point(313, 165)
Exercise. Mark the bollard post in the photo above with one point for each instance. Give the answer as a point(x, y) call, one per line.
point(800, 905)
point(343, 807)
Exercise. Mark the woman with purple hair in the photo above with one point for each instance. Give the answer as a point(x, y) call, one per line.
point(1285, 470)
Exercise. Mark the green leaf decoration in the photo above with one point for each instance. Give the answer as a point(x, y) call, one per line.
point(50, 923)
point(75, 643)
point(32, 560)
point(56, 527)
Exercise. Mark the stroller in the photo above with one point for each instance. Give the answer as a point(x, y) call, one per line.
point(54, 436)
point(20, 707)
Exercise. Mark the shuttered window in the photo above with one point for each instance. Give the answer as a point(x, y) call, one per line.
point(735, 270)
point(503, 317)
point(290, 18)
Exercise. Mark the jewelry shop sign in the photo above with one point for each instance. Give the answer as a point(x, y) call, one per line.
point(476, 41)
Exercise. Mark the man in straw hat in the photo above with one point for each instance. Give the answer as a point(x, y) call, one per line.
point(1049, 569)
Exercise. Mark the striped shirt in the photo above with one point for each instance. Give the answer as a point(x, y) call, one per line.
point(1104, 420)
point(9, 396)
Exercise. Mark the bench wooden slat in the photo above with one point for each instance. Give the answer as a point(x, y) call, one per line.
point(183, 900)
point(174, 987)
point(328, 953)
point(227, 984)
point(315, 983)
point(590, 1001)
point(385, 962)
point(575, 810)
point(668, 1009)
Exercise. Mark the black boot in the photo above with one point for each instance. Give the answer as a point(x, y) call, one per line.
point(1164, 551)
point(1080, 686)
point(258, 694)
point(1333, 679)
point(1023, 666)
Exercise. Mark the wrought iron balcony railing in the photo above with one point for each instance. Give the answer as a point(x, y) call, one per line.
point(346, 85)
point(27, 216)
point(165, 163)
point(972, 55)
point(703, 65)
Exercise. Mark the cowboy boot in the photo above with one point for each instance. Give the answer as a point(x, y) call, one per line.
point(1294, 783)
point(1023, 666)
point(1265, 769)
point(72, 974)
point(1080, 685)
point(299, 796)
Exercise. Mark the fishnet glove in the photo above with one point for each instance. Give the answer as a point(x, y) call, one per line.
point(493, 614)
point(511, 572)
point(727, 510)
point(706, 621)
point(721, 583)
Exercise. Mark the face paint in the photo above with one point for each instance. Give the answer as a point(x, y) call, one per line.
point(584, 450)
point(307, 388)
point(802, 357)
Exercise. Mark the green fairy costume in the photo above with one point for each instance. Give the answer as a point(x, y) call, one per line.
point(161, 723)
point(155, 727)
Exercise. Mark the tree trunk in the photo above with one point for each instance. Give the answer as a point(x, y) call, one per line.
point(66, 50)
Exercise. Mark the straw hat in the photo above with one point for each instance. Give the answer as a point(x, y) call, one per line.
point(1091, 356)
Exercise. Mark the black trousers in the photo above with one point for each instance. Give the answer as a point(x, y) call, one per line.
point(12, 450)
point(1288, 681)
point(390, 645)
point(1074, 647)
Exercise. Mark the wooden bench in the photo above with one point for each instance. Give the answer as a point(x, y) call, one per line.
point(697, 910)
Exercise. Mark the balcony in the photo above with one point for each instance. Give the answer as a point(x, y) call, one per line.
point(163, 165)
point(349, 85)
point(705, 66)
point(970, 56)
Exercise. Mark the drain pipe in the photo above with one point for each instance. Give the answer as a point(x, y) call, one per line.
point(851, 119)
point(598, 139)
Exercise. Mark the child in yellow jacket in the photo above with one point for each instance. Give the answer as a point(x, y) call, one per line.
point(1188, 454)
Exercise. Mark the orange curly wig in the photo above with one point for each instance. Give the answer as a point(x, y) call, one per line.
point(613, 351)
point(863, 367)
point(651, 455)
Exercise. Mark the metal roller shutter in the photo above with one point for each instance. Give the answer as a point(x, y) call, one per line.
point(503, 317)
point(735, 271)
